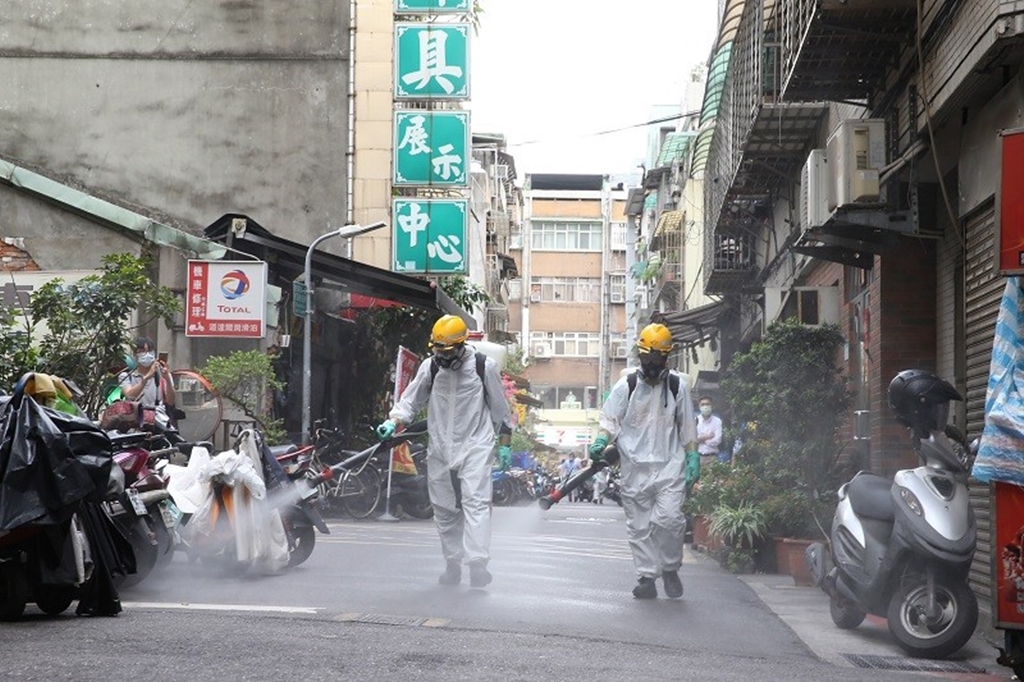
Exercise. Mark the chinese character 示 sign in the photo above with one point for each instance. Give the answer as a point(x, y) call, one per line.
point(226, 298)
point(431, 148)
point(431, 61)
point(431, 6)
point(429, 235)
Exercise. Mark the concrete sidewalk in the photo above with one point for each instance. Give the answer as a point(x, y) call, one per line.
point(806, 611)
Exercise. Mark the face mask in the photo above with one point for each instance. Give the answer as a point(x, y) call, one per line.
point(146, 359)
point(705, 410)
point(450, 359)
point(652, 365)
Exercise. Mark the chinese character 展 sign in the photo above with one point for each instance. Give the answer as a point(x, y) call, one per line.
point(431, 61)
point(429, 235)
point(431, 148)
point(431, 6)
point(226, 298)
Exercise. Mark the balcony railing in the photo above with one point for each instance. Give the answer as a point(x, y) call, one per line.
point(837, 50)
point(731, 261)
point(759, 141)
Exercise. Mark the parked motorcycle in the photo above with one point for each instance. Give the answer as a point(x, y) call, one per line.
point(144, 512)
point(612, 488)
point(409, 490)
point(901, 548)
point(55, 469)
point(294, 466)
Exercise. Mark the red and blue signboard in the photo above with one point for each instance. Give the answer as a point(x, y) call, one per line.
point(226, 298)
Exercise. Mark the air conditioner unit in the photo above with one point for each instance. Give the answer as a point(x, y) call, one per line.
point(856, 156)
point(541, 350)
point(813, 191)
point(808, 305)
point(619, 350)
point(618, 297)
point(535, 298)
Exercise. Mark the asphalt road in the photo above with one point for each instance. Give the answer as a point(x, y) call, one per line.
point(367, 606)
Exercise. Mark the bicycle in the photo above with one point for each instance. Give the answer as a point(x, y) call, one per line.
point(359, 481)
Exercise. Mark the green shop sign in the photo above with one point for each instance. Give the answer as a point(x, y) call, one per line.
point(431, 148)
point(429, 235)
point(431, 6)
point(431, 61)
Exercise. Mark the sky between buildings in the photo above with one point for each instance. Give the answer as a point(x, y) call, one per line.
point(550, 73)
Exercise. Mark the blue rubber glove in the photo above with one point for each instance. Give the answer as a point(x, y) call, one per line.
point(386, 429)
point(692, 471)
point(598, 446)
point(504, 456)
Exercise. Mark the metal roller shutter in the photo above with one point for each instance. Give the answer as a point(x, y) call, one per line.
point(982, 290)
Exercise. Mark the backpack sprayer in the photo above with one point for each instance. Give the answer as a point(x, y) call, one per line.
point(611, 458)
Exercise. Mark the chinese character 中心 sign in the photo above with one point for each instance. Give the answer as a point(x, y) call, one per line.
point(431, 148)
point(429, 235)
point(226, 298)
point(431, 61)
point(431, 6)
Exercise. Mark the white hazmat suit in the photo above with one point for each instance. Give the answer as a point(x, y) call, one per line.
point(652, 429)
point(461, 423)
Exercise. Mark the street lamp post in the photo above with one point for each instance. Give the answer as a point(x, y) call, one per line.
point(307, 327)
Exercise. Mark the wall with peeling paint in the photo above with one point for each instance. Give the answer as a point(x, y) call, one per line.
point(183, 110)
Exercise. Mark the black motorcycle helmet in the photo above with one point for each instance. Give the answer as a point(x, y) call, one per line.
point(920, 400)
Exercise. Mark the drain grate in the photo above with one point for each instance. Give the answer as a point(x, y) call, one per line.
point(385, 619)
point(910, 664)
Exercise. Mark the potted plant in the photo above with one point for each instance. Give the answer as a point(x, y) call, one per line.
point(739, 527)
point(791, 397)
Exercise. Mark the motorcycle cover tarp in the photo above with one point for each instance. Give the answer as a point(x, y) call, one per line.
point(259, 537)
point(1001, 451)
point(49, 461)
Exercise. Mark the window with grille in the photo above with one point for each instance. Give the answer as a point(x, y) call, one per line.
point(569, 344)
point(551, 235)
point(565, 290)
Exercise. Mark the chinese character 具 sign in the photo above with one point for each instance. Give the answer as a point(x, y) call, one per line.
point(431, 61)
point(226, 298)
point(431, 148)
point(429, 235)
point(431, 6)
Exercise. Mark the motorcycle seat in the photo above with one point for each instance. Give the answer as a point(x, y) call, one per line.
point(278, 451)
point(870, 497)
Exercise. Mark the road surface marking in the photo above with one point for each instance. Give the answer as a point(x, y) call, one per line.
point(187, 606)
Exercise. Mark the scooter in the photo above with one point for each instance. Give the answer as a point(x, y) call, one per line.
point(901, 548)
point(301, 516)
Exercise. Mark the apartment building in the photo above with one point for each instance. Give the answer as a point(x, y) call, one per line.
point(852, 177)
point(567, 308)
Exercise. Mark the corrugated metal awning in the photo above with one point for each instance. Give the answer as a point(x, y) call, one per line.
point(358, 277)
point(694, 326)
point(670, 221)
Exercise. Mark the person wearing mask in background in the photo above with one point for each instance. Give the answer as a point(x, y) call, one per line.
point(149, 382)
point(709, 432)
point(650, 416)
point(464, 413)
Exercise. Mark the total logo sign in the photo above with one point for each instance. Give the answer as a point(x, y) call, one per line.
point(226, 298)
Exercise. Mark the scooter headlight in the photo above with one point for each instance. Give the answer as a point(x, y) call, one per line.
point(910, 499)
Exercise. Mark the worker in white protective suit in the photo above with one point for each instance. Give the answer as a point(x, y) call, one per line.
point(466, 408)
point(650, 417)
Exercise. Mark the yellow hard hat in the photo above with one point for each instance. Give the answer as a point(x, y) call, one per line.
point(655, 337)
point(449, 330)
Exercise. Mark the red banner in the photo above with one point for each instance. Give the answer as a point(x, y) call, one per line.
point(405, 369)
point(1008, 554)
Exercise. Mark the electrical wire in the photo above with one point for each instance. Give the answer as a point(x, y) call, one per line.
point(655, 121)
point(931, 132)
